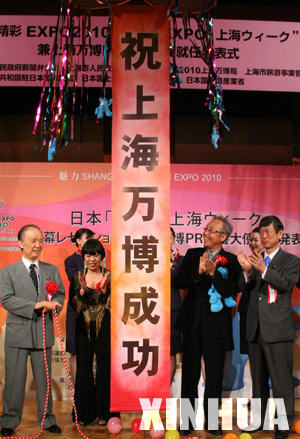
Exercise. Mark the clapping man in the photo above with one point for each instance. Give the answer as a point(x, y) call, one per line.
point(270, 278)
point(255, 246)
point(206, 332)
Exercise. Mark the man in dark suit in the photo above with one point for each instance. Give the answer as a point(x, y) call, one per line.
point(255, 245)
point(270, 277)
point(23, 294)
point(205, 332)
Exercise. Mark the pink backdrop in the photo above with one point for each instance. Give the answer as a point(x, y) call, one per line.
point(250, 54)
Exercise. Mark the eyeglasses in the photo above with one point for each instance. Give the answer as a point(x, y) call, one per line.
point(207, 229)
point(268, 232)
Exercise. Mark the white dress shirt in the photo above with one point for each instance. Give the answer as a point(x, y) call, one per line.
point(27, 264)
point(271, 256)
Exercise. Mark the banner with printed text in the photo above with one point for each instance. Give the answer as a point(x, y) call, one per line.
point(250, 54)
point(140, 259)
point(62, 197)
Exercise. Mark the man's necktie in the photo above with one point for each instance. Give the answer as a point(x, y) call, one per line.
point(267, 260)
point(34, 277)
point(272, 293)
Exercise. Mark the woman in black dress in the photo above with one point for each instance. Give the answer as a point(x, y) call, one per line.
point(176, 260)
point(90, 295)
point(73, 264)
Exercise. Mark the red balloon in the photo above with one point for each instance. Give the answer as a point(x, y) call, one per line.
point(135, 425)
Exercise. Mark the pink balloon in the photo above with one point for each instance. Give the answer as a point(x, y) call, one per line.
point(114, 425)
point(156, 434)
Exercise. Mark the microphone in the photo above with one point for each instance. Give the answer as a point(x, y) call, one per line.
point(85, 270)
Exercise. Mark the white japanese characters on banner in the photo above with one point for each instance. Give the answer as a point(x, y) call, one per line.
point(250, 55)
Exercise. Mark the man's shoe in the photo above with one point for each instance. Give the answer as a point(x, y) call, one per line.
point(5, 432)
point(53, 429)
point(184, 432)
point(281, 434)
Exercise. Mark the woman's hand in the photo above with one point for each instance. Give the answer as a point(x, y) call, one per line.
point(104, 282)
point(82, 281)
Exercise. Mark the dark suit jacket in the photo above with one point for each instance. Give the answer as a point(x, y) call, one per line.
point(73, 264)
point(244, 301)
point(195, 310)
point(275, 320)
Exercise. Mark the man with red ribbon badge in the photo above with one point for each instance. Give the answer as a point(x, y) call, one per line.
point(270, 278)
point(207, 325)
point(28, 287)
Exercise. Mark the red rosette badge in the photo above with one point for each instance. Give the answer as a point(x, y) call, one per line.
point(51, 288)
point(221, 260)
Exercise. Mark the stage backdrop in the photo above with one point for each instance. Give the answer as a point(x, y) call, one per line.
point(244, 52)
point(62, 197)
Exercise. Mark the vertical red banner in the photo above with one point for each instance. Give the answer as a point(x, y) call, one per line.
point(140, 207)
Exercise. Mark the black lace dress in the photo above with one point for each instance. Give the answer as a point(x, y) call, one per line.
point(92, 394)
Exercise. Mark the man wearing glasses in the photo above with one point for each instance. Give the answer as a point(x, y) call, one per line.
point(206, 332)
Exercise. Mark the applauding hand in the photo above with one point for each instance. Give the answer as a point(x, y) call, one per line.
point(244, 262)
point(82, 281)
point(206, 265)
point(104, 282)
point(257, 261)
point(203, 258)
point(210, 266)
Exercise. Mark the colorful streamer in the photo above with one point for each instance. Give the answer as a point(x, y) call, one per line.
point(214, 100)
point(56, 108)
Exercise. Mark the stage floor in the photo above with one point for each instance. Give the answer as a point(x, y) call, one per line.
point(62, 410)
